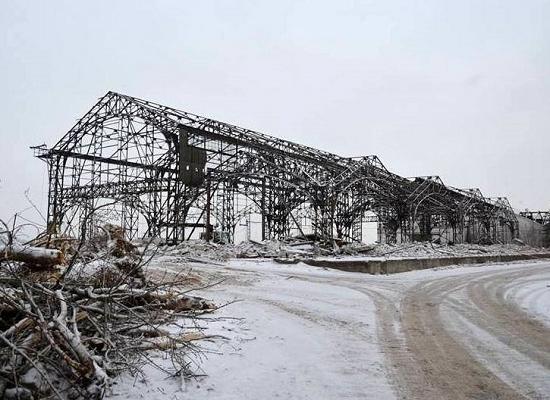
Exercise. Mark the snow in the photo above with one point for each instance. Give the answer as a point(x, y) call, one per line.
point(296, 332)
point(287, 338)
point(533, 296)
point(496, 355)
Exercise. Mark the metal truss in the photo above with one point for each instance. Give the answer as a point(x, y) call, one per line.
point(188, 175)
point(542, 217)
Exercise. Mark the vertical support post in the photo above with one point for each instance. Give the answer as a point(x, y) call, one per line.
point(208, 210)
point(263, 209)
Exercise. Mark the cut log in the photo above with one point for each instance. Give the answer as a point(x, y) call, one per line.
point(32, 255)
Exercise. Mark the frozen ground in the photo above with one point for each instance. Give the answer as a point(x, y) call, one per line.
point(302, 332)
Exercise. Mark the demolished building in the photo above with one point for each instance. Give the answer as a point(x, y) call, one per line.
point(190, 176)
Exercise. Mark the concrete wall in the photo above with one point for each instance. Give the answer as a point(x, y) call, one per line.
point(531, 232)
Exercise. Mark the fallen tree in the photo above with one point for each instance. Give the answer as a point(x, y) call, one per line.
point(67, 337)
point(37, 256)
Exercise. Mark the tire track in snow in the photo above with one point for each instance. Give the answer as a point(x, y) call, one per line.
point(439, 359)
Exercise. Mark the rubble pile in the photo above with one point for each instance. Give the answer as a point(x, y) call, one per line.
point(296, 249)
point(290, 248)
point(428, 249)
point(200, 251)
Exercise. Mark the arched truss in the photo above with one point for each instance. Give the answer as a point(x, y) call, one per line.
point(164, 162)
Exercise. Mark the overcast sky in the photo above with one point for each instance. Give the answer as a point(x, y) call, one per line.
point(459, 89)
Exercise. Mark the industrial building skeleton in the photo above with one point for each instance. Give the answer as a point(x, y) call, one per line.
point(186, 174)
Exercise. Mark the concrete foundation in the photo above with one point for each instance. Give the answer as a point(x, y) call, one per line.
point(390, 266)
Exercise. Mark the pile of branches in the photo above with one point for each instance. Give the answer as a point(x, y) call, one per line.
point(66, 332)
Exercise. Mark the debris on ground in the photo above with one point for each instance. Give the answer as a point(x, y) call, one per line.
point(67, 332)
point(428, 249)
point(33, 256)
point(295, 249)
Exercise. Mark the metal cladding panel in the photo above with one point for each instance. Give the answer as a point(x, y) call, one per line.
point(192, 162)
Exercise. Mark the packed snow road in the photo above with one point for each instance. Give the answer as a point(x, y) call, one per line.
point(299, 332)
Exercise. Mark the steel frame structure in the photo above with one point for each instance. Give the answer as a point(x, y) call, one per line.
point(185, 174)
point(542, 217)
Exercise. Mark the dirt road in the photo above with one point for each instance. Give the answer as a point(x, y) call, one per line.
point(302, 332)
point(464, 339)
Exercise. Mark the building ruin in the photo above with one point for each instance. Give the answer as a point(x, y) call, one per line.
point(188, 176)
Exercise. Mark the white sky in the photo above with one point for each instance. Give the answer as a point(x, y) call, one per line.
point(459, 89)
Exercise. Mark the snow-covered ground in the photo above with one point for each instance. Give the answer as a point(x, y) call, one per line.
point(302, 332)
point(532, 295)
